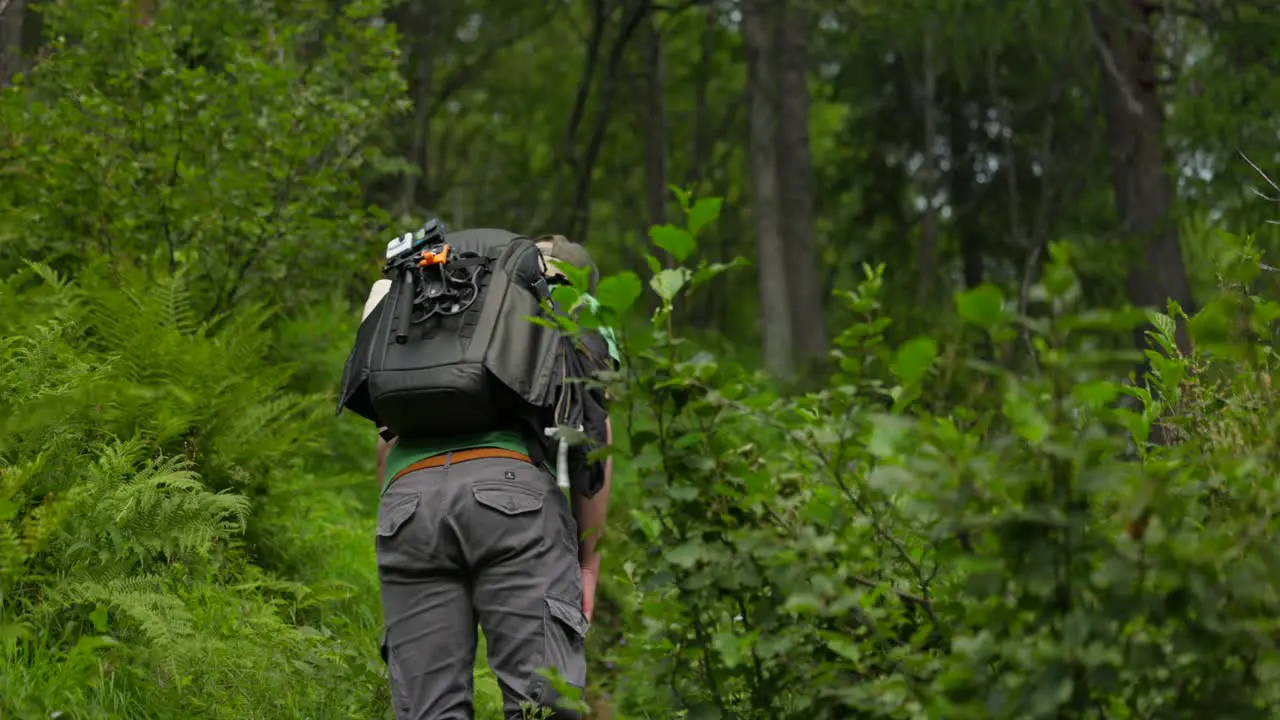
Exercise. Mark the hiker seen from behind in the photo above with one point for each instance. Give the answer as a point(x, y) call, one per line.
point(483, 417)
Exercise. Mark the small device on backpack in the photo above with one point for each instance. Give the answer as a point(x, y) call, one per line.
point(443, 282)
point(401, 248)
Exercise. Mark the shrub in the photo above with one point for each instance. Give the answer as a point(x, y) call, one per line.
point(1024, 551)
point(226, 138)
point(177, 174)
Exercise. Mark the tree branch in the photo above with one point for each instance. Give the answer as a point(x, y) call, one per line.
point(578, 223)
point(465, 74)
point(1270, 182)
point(584, 83)
point(1109, 61)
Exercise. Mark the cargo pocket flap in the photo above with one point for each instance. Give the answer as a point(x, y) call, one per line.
point(508, 500)
point(569, 614)
point(396, 515)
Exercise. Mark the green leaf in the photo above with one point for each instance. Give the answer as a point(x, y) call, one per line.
point(688, 439)
point(1211, 328)
point(1162, 323)
point(668, 282)
point(684, 493)
point(684, 556)
point(682, 196)
point(1095, 394)
point(913, 360)
point(710, 270)
point(982, 306)
point(1265, 313)
point(619, 292)
point(889, 478)
point(677, 241)
point(99, 618)
point(544, 322)
point(704, 212)
point(1050, 691)
point(803, 603)
point(1025, 417)
point(565, 296)
point(579, 277)
point(730, 647)
point(887, 432)
point(843, 646)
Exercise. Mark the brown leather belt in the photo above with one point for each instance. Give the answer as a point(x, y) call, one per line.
point(457, 456)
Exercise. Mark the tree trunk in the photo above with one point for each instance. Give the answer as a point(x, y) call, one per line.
point(416, 191)
point(655, 127)
point(1122, 35)
point(795, 180)
point(701, 137)
point(11, 39)
point(927, 259)
point(762, 96)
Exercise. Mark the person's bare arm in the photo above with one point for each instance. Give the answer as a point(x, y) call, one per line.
point(591, 514)
point(384, 449)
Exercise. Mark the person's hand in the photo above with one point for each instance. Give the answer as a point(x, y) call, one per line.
point(590, 578)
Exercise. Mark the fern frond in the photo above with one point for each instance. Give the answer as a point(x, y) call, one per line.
point(55, 279)
point(145, 509)
point(167, 301)
point(13, 555)
point(160, 615)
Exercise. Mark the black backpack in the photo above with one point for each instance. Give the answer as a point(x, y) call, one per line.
point(453, 347)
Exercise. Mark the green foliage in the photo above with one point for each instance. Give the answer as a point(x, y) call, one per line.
point(226, 139)
point(126, 587)
point(983, 512)
point(1023, 552)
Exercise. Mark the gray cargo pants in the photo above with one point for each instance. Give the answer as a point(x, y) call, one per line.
point(489, 540)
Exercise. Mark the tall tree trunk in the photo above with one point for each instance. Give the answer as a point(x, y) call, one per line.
point(11, 17)
point(1123, 38)
point(966, 222)
point(762, 94)
point(655, 126)
point(962, 189)
point(416, 191)
point(927, 258)
point(795, 179)
point(701, 137)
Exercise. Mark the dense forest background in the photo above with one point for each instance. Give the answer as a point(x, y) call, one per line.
point(949, 332)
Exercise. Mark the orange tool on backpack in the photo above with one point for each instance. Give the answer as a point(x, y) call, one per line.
point(435, 257)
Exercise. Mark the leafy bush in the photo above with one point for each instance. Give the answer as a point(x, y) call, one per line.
point(225, 138)
point(164, 493)
point(1026, 552)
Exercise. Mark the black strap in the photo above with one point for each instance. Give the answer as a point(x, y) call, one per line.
point(467, 262)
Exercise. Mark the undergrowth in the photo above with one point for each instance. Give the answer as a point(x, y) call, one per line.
point(973, 523)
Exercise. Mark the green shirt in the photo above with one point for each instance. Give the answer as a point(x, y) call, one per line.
point(411, 450)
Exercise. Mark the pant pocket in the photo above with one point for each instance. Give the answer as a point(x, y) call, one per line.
point(394, 550)
point(507, 498)
point(564, 653)
point(394, 514)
